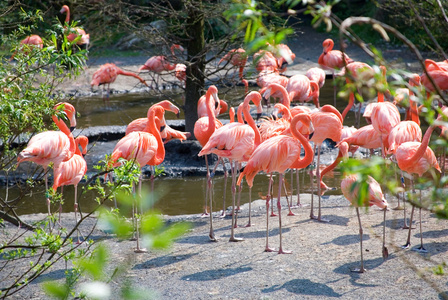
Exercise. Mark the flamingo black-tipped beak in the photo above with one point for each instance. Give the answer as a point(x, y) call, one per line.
point(258, 116)
point(284, 64)
point(162, 128)
point(178, 115)
point(72, 128)
point(311, 135)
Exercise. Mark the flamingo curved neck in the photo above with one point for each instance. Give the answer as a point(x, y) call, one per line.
point(422, 148)
point(63, 127)
point(331, 109)
point(67, 16)
point(211, 115)
point(315, 93)
point(127, 73)
point(152, 128)
point(309, 154)
point(286, 101)
point(250, 121)
point(341, 154)
point(351, 101)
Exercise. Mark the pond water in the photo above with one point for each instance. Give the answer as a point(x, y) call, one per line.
point(175, 195)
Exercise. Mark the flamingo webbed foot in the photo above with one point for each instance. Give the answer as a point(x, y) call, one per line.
point(420, 249)
point(212, 238)
point(291, 214)
point(406, 246)
point(250, 224)
point(273, 215)
point(269, 249)
point(281, 251)
point(322, 220)
point(359, 270)
point(141, 250)
point(234, 239)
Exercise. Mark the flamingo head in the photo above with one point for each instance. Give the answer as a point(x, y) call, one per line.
point(70, 112)
point(168, 105)
point(82, 141)
point(64, 9)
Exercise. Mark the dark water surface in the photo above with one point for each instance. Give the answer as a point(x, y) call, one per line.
point(175, 195)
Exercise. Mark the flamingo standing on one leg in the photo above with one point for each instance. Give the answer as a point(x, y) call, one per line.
point(144, 147)
point(52, 146)
point(416, 158)
point(85, 38)
point(32, 40)
point(350, 188)
point(236, 141)
point(276, 155)
point(160, 63)
point(332, 60)
point(327, 124)
point(107, 74)
point(71, 172)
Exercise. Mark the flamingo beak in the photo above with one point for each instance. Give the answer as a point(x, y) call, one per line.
point(72, 128)
point(310, 135)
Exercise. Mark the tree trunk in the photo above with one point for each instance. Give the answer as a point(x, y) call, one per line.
point(195, 62)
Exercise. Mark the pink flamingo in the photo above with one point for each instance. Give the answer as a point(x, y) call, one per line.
point(52, 146)
point(278, 91)
point(327, 124)
point(167, 133)
point(85, 38)
point(265, 61)
point(416, 158)
point(108, 73)
point(143, 147)
point(366, 137)
point(405, 131)
point(71, 172)
point(236, 142)
point(350, 188)
point(332, 60)
point(141, 123)
point(316, 75)
point(236, 57)
point(220, 107)
point(276, 155)
point(266, 78)
point(160, 63)
point(284, 56)
point(359, 71)
point(348, 132)
point(203, 128)
point(181, 73)
point(300, 88)
point(385, 116)
point(32, 41)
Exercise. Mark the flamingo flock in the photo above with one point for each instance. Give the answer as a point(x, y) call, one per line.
point(272, 145)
